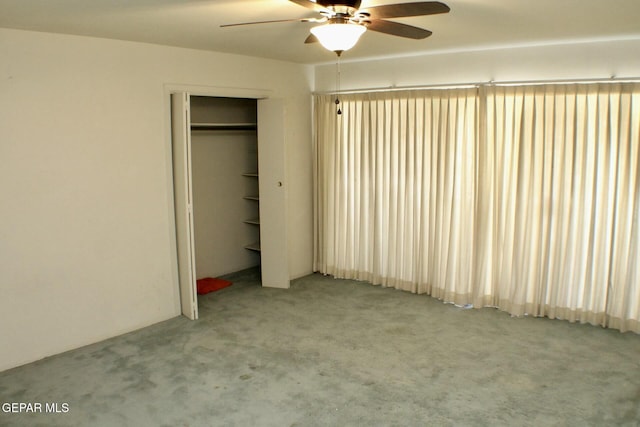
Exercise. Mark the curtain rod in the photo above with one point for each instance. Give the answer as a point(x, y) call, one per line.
point(612, 79)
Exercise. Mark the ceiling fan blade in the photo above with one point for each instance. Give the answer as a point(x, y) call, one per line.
point(398, 29)
point(402, 10)
point(317, 20)
point(311, 39)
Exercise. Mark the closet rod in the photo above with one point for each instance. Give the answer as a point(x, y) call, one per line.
point(611, 79)
point(224, 126)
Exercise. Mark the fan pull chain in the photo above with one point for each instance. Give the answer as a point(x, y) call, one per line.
point(338, 85)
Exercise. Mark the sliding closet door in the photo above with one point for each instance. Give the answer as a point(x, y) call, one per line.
point(273, 201)
point(181, 133)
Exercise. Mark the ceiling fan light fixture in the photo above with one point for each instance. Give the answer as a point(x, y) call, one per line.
point(338, 37)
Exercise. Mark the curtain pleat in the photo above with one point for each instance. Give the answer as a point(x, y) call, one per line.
point(525, 198)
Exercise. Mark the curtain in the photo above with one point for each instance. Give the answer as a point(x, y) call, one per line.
point(522, 198)
point(395, 182)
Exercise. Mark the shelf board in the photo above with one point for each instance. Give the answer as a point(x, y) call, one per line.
point(250, 175)
point(253, 247)
point(253, 221)
point(256, 198)
point(224, 126)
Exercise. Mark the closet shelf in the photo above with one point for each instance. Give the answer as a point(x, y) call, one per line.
point(256, 198)
point(224, 126)
point(253, 247)
point(250, 175)
point(254, 221)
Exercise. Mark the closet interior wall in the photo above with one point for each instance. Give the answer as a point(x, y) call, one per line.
point(224, 160)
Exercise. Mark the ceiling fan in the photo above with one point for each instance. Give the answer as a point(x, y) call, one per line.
point(344, 22)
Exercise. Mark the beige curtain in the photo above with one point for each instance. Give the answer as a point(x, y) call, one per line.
point(523, 198)
point(395, 183)
point(561, 202)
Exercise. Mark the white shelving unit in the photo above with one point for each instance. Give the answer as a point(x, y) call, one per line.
point(255, 246)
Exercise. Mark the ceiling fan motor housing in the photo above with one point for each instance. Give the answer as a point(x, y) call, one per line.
point(355, 4)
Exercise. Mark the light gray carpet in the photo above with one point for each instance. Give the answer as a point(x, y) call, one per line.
point(338, 353)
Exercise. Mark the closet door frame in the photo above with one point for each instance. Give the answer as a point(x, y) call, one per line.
point(276, 275)
point(183, 197)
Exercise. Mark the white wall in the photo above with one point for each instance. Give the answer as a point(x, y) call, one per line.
point(85, 238)
point(552, 62)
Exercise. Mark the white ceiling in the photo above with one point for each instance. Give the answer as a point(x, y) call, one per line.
point(471, 24)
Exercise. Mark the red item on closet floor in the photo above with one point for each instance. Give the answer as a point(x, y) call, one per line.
point(209, 284)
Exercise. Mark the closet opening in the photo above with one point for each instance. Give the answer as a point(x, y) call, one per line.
point(218, 198)
point(226, 197)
